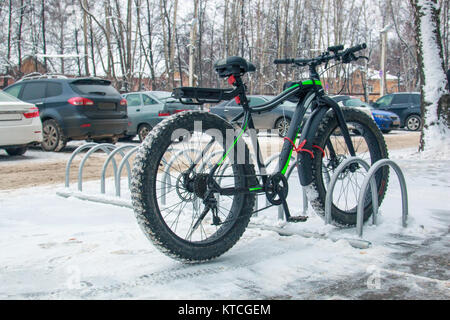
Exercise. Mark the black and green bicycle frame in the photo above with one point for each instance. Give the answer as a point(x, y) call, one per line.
point(312, 96)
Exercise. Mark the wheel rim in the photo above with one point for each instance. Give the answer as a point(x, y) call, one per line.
point(183, 202)
point(283, 127)
point(50, 136)
point(413, 123)
point(348, 186)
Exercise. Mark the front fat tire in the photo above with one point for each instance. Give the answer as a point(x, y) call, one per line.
point(316, 192)
point(143, 193)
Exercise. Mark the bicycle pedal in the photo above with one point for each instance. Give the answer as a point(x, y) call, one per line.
point(297, 219)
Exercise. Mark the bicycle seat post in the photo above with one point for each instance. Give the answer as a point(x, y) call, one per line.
point(241, 98)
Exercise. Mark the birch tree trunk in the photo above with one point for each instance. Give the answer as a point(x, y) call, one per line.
point(193, 45)
point(435, 107)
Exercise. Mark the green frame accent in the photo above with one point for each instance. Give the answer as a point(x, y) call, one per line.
point(307, 82)
point(235, 141)
point(290, 154)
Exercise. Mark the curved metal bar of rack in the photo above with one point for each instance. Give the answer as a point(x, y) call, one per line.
point(105, 147)
point(370, 180)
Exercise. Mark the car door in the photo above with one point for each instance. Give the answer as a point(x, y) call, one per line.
point(34, 92)
point(134, 106)
point(232, 109)
point(400, 105)
point(384, 102)
point(150, 110)
point(263, 120)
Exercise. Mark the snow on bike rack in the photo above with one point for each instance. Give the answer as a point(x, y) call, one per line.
point(369, 180)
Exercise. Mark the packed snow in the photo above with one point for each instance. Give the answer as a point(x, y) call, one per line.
point(65, 248)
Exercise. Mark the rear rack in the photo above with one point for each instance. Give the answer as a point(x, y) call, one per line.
point(203, 95)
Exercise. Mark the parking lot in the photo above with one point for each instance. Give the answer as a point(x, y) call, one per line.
point(37, 167)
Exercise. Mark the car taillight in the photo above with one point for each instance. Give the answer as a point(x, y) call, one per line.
point(123, 102)
point(163, 114)
point(34, 113)
point(80, 101)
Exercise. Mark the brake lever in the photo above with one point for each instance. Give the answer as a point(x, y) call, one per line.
point(348, 57)
point(362, 57)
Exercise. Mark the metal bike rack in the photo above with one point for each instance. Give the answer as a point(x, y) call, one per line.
point(111, 150)
point(121, 165)
point(108, 160)
point(72, 156)
point(368, 180)
point(104, 147)
point(107, 148)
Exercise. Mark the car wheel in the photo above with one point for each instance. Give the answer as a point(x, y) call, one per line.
point(16, 151)
point(143, 131)
point(52, 136)
point(413, 123)
point(282, 126)
point(385, 131)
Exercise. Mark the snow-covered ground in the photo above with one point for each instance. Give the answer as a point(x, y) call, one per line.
point(57, 248)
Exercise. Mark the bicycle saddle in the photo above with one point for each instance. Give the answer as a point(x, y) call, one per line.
point(233, 65)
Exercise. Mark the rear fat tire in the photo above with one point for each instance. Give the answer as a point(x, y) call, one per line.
point(53, 138)
point(143, 193)
point(316, 192)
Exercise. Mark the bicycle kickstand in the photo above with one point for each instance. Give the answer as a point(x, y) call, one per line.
point(290, 218)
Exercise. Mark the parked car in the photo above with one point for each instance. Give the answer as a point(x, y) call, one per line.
point(147, 108)
point(20, 125)
point(74, 109)
point(406, 105)
point(385, 120)
point(278, 119)
point(349, 101)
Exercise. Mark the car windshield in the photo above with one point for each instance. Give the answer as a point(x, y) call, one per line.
point(4, 97)
point(95, 87)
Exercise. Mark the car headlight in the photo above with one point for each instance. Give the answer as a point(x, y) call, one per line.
point(380, 116)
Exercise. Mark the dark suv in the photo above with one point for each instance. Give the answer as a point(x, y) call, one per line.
point(74, 109)
point(406, 105)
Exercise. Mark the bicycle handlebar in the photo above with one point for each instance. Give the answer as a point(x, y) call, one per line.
point(346, 55)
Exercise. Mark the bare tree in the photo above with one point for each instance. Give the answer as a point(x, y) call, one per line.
point(435, 103)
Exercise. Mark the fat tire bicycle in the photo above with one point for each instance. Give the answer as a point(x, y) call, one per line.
point(198, 207)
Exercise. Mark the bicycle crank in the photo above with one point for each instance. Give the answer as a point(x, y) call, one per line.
point(276, 192)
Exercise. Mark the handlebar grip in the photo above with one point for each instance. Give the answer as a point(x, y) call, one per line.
point(283, 61)
point(336, 48)
point(359, 47)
